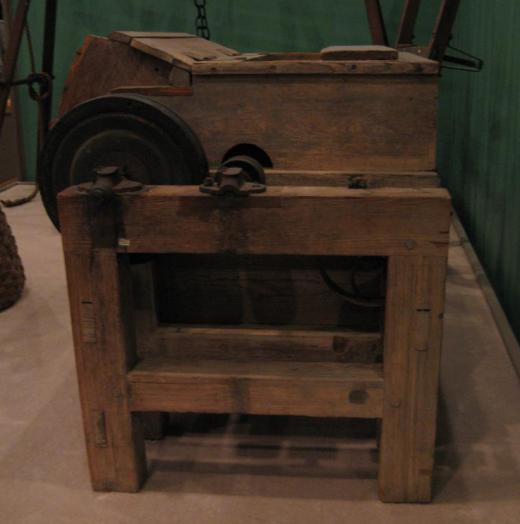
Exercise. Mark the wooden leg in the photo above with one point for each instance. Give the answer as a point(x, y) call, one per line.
point(413, 336)
point(101, 309)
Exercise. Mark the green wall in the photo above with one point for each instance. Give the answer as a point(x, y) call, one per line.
point(479, 154)
point(248, 25)
point(479, 120)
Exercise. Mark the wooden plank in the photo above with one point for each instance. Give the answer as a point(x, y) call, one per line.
point(126, 36)
point(356, 179)
point(376, 22)
point(402, 66)
point(413, 336)
point(282, 221)
point(155, 90)
point(442, 33)
point(365, 123)
point(283, 388)
point(405, 33)
point(101, 65)
point(359, 52)
point(280, 343)
point(104, 346)
point(184, 51)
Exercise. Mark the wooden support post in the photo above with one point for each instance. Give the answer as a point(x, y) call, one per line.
point(405, 33)
point(376, 22)
point(443, 28)
point(100, 301)
point(413, 336)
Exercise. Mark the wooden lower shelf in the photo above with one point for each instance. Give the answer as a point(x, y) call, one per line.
point(319, 389)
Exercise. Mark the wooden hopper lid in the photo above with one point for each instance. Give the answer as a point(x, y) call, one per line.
point(203, 57)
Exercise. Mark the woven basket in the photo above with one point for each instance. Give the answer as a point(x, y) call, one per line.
point(12, 277)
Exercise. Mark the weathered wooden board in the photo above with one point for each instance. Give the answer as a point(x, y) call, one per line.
point(183, 52)
point(317, 123)
point(101, 65)
point(303, 121)
point(357, 179)
point(282, 221)
point(100, 303)
point(127, 36)
point(282, 388)
point(359, 52)
point(261, 343)
point(285, 64)
point(413, 337)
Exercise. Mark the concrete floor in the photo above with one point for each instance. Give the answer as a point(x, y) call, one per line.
point(245, 470)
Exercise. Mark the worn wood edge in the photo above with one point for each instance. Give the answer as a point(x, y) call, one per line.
point(310, 192)
point(160, 90)
point(166, 201)
point(306, 389)
point(509, 338)
point(370, 180)
point(359, 52)
point(283, 343)
point(413, 340)
point(346, 178)
point(125, 37)
point(407, 64)
point(186, 63)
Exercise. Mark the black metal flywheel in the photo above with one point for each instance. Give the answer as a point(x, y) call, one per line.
point(149, 140)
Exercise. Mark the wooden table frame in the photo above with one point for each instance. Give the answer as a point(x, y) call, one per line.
point(409, 226)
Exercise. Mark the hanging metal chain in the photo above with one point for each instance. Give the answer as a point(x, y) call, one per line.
point(201, 22)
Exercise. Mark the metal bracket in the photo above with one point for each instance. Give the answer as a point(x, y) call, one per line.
point(109, 181)
point(468, 62)
point(231, 182)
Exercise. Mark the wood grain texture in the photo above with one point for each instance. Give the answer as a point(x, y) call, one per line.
point(127, 36)
point(406, 64)
point(359, 52)
point(103, 356)
point(288, 177)
point(413, 336)
point(321, 123)
point(182, 52)
point(282, 388)
point(282, 221)
point(156, 90)
point(309, 117)
point(102, 65)
point(261, 343)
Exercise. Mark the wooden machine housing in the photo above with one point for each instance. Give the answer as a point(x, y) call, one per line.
point(231, 315)
point(324, 117)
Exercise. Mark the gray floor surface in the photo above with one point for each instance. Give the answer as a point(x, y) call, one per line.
point(245, 470)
